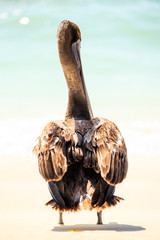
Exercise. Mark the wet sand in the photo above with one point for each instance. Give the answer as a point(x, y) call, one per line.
point(23, 214)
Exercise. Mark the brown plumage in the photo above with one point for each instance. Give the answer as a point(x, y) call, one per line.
point(82, 157)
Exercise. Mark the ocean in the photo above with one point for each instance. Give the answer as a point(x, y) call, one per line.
point(120, 53)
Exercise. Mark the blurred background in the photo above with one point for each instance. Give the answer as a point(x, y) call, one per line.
point(120, 53)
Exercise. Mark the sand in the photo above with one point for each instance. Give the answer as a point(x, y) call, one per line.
point(23, 214)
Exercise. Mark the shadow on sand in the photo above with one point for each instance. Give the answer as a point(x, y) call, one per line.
point(113, 226)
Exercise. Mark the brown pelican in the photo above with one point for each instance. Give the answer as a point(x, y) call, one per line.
point(82, 157)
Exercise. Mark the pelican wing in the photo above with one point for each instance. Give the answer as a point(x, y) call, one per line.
point(53, 150)
point(105, 151)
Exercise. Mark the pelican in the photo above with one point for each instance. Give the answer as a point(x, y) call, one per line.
point(81, 157)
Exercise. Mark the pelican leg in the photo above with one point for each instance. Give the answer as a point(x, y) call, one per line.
point(60, 218)
point(99, 215)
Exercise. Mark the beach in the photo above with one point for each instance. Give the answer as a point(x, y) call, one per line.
point(120, 57)
point(24, 214)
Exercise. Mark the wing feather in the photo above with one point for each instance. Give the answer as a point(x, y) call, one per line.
point(105, 142)
point(48, 164)
point(52, 148)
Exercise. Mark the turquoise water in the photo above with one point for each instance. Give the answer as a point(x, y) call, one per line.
point(120, 53)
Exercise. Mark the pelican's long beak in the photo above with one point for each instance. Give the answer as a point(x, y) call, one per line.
point(76, 52)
